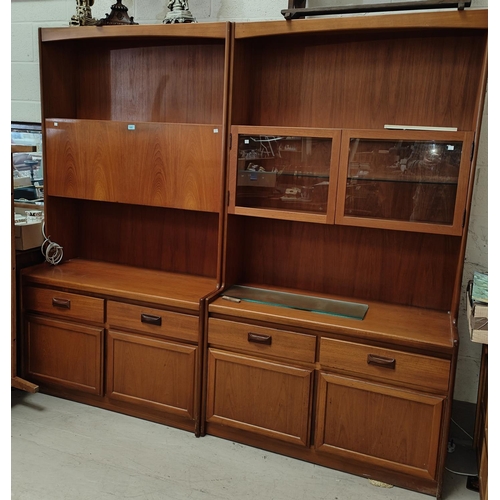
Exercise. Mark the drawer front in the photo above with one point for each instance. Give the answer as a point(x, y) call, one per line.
point(63, 304)
point(153, 321)
point(262, 340)
point(397, 366)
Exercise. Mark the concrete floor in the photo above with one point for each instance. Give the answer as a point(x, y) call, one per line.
point(61, 450)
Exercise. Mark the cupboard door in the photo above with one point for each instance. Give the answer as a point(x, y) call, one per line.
point(263, 397)
point(153, 164)
point(153, 373)
point(375, 424)
point(404, 180)
point(284, 173)
point(64, 354)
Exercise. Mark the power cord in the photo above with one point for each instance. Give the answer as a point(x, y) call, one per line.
point(52, 252)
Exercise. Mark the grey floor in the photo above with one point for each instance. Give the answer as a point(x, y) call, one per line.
point(61, 450)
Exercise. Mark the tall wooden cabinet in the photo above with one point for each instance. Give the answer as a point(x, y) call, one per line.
point(264, 227)
point(350, 174)
point(134, 121)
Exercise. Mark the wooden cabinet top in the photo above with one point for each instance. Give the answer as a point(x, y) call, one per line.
point(194, 30)
point(412, 327)
point(397, 22)
point(129, 283)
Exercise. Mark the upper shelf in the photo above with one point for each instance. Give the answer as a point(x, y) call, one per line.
point(144, 73)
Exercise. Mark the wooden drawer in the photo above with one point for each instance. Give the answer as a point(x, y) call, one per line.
point(153, 321)
point(63, 304)
point(397, 366)
point(262, 340)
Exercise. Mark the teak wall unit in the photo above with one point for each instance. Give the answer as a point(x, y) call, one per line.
point(189, 164)
point(135, 135)
point(361, 219)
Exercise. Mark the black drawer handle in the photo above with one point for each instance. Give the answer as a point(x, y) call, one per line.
point(373, 359)
point(63, 303)
point(150, 319)
point(259, 339)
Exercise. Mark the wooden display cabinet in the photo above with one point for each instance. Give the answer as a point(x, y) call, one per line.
point(380, 400)
point(135, 130)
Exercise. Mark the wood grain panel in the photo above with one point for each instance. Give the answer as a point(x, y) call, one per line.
point(67, 305)
point(178, 166)
point(409, 369)
point(378, 425)
point(171, 240)
point(391, 266)
point(64, 354)
point(167, 324)
point(267, 398)
point(137, 284)
point(281, 344)
point(152, 373)
point(146, 79)
point(365, 81)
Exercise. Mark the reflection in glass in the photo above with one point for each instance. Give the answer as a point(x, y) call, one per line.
point(286, 173)
point(413, 181)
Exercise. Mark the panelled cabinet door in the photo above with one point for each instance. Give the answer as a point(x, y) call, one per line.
point(153, 373)
point(64, 354)
point(263, 397)
point(379, 425)
point(404, 180)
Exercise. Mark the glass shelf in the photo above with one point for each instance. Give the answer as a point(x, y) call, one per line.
point(344, 309)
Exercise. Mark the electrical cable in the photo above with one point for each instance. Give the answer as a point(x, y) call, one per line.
point(52, 252)
point(462, 429)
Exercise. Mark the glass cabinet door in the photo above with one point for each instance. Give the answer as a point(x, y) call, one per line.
point(284, 173)
point(404, 180)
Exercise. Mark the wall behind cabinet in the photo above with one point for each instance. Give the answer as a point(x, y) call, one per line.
point(28, 15)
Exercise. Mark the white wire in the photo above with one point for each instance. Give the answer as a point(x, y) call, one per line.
point(53, 252)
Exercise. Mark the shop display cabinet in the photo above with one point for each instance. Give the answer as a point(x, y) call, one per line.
point(353, 144)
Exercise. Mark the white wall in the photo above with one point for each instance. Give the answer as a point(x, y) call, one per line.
point(28, 15)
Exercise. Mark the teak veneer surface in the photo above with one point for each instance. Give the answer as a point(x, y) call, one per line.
point(201, 30)
point(411, 327)
point(112, 280)
point(468, 19)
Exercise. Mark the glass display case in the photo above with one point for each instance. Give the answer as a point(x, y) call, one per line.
point(284, 173)
point(404, 180)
